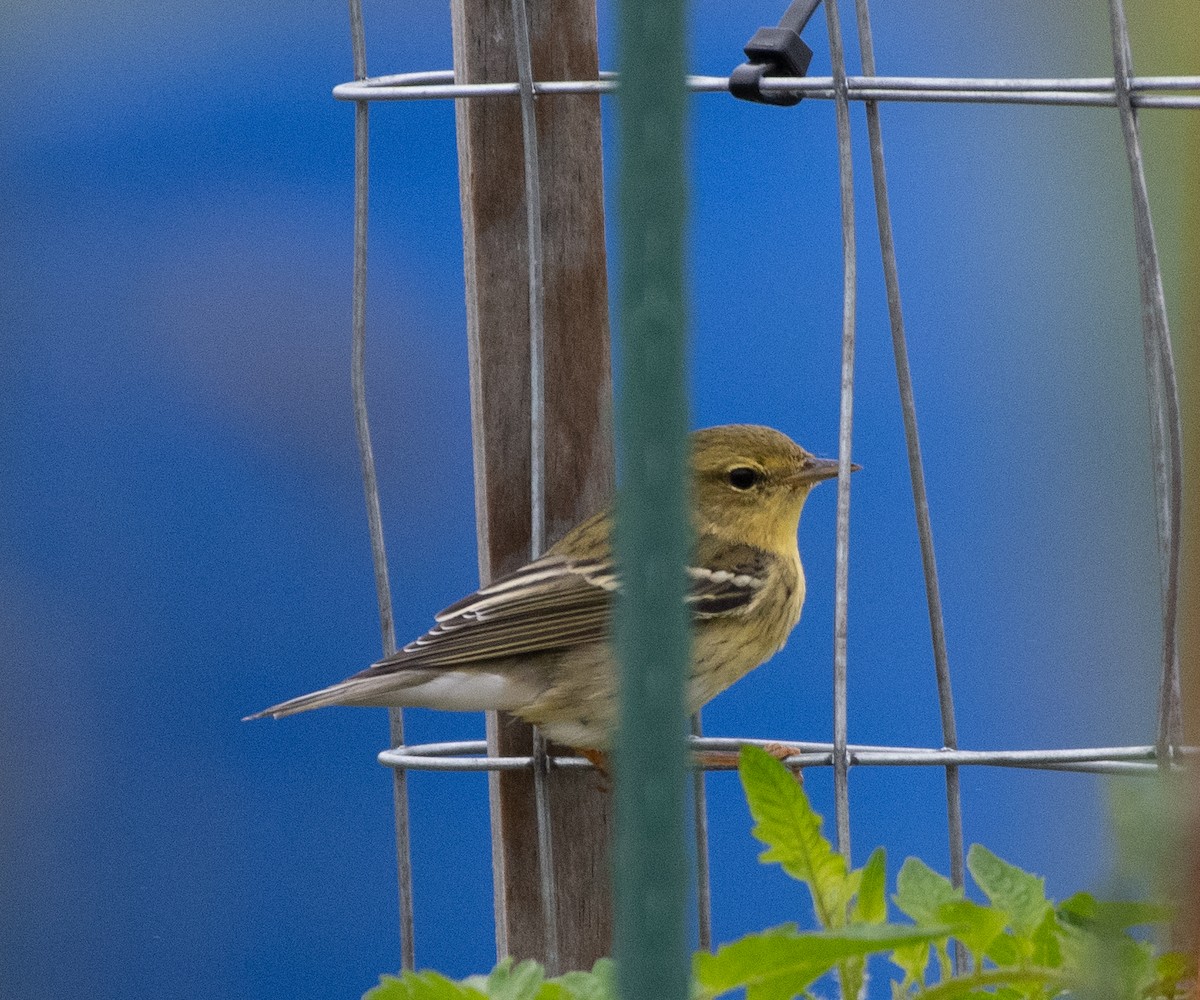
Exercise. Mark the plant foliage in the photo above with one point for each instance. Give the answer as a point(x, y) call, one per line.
point(1019, 945)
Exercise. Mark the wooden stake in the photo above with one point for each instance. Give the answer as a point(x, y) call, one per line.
point(579, 451)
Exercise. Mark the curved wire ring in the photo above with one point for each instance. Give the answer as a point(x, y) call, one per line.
point(471, 755)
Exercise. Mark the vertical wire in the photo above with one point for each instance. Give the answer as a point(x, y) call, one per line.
point(1163, 393)
point(841, 757)
point(537, 447)
point(537, 337)
point(703, 871)
point(541, 800)
point(916, 467)
point(366, 456)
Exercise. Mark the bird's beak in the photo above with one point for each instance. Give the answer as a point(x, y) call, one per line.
point(819, 469)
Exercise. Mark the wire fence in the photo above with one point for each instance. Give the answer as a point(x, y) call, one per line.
point(1123, 91)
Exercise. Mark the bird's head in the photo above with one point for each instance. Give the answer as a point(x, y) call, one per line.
point(751, 482)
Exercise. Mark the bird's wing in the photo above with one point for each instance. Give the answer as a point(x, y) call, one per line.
point(725, 579)
point(557, 602)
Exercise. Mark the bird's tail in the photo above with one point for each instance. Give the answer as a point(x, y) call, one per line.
point(354, 691)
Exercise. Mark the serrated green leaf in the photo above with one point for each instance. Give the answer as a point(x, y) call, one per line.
point(852, 977)
point(754, 958)
point(1077, 945)
point(1019, 894)
point(912, 960)
point(1170, 970)
point(389, 988)
point(605, 971)
point(852, 885)
point(920, 891)
point(1047, 951)
point(1005, 950)
point(945, 966)
point(782, 964)
point(433, 986)
point(870, 907)
point(974, 925)
point(870, 903)
point(786, 823)
point(515, 982)
point(1084, 909)
point(599, 984)
point(1081, 904)
point(1108, 963)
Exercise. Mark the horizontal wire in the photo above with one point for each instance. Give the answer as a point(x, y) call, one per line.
point(465, 755)
point(1078, 91)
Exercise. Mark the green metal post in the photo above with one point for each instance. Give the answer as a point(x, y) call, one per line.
point(653, 531)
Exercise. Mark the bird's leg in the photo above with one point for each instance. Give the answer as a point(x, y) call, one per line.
point(727, 760)
point(705, 760)
point(715, 760)
point(599, 760)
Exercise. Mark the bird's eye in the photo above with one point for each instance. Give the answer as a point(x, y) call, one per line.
point(743, 477)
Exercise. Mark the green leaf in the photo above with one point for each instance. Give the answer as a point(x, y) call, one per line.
point(786, 823)
point(1020, 895)
point(1010, 984)
point(974, 925)
point(421, 986)
point(780, 964)
point(920, 891)
point(870, 904)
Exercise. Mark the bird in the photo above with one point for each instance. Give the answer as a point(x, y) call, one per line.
point(536, 642)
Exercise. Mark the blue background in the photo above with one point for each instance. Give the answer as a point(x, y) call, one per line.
point(183, 535)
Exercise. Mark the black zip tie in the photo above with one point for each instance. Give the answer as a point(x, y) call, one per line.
point(775, 52)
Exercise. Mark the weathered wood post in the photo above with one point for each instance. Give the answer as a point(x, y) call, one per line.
point(578, 420)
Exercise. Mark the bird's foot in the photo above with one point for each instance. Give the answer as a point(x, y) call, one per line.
point(781, 752)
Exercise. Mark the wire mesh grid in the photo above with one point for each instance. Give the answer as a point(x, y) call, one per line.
point(1123, 91)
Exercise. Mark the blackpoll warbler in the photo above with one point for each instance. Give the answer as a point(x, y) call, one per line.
point(535, 643)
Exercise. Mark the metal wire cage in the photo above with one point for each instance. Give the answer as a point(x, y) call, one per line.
point(1126, 94)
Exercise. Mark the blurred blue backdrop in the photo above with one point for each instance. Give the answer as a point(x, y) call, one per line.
point(183, 533)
